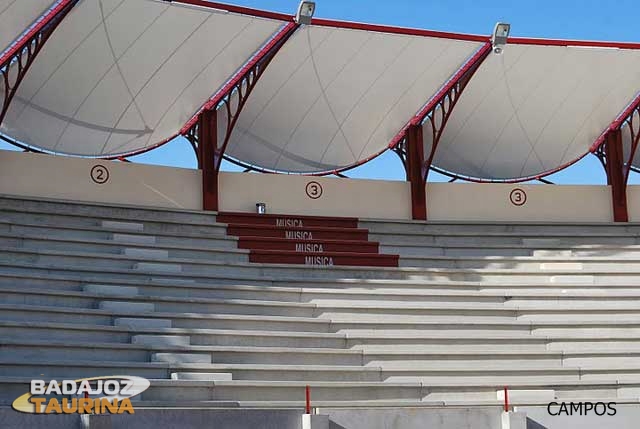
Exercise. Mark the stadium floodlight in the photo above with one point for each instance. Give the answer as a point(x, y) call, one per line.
point(305, 12)
point(500, 35)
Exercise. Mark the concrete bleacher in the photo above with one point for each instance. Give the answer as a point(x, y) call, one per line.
point(551, 310)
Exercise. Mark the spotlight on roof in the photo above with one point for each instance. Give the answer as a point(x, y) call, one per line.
point(500, 35)
point(305, 12)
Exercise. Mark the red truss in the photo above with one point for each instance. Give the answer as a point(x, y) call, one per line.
point(409, 144)
point(15, 63)
point(631, 125)
point(202, 130)
point(609, 148)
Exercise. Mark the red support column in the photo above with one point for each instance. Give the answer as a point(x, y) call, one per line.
point(416, 173)
point(208, 158)
point(616, 174)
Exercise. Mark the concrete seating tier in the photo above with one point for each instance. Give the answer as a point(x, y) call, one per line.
point(551, 311)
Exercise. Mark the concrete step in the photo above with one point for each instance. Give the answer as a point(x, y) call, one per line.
point(48, 207)
point(181, 358)
point(461, 375)
point(424, 250)
point(202, 376)
point(147, 240)
point(134, 323)
point(157, 267)
point(318, 294)
point(457, 239)
point(46, 229)
point(317, 290)
point(80, 333)
point(536, 228)
point(399, 311)
point(133, 246)
point(76, 332)
point(159, 340)
point(524, 263)
point(34, 349)
point(41, 313)
point(146, 253)
point(111, 290)
point(57, 262)
point(117, 224)
point(42, 227)
point(455, 324)
point(347, 392)
point(126, 306)
point(123, 226)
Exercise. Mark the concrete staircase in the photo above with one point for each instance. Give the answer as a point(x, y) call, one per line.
point(552, 311)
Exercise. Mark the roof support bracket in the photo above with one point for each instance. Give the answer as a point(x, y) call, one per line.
point(433, 119)
point(609, 148)
point(204, 131)
point(15, 63)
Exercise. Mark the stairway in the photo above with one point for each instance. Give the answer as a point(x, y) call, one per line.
point(305, 240)
point(552, 311)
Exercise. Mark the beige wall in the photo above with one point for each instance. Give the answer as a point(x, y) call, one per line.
point(69, 178)
point(35, 175)
point(633, 202)
point(489, 201)
point(340, 197)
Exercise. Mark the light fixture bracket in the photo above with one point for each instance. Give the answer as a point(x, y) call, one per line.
point(306, 9)
point(500, 36)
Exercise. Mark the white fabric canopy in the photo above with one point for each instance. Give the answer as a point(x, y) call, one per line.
point(16, 16)
point(333, 97)
point(121, 75)
point(536, 108)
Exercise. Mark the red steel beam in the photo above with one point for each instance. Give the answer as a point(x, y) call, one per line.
point(580, 43)
point(398, 30)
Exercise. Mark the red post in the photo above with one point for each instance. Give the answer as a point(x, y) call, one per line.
point(307, 408)
point(416, 172)
point(506, 399)
point(207, 152)
point(616, 175)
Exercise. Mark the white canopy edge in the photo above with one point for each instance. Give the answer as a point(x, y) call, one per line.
point(118, 76)
point(536, 108)
point(17, 16)
point(333, 97)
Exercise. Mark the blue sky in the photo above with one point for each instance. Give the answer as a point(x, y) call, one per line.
point(614, 20)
